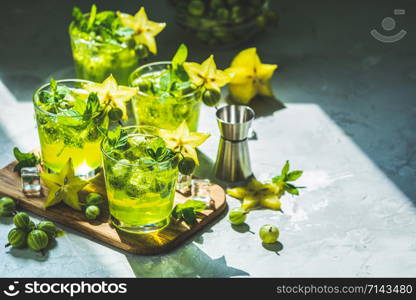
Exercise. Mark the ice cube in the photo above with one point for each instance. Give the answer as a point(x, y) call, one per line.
point(200, 190)
point(121, 168)
point(31, 181)
point(184, 183)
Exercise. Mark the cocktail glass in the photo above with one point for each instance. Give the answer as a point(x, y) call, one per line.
point(166, 112)
point(95, 61)
point(63, 136)
point(140, 194)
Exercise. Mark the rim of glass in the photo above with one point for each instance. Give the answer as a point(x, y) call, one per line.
point(162, 163)
point(35, 97)
point(234, 105)
point(97, 43)
point(159, 63)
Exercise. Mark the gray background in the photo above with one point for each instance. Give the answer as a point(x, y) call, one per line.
point(348, 121)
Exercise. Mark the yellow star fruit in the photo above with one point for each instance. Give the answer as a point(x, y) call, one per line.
point(63, 186)
point(206, 74)
point(110, 92)
point(258, 194)
point(145, 30)
point(249, 76)
point(184, 141)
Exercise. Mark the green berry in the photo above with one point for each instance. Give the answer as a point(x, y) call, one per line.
point(49, 228)
point(17, 238)
point(269, 234)
point(37, 240)
point(144, 85)
point(94, 199)
point(222, 14)
point(211, 97)
point(115, 114)
point(142, 51)
point(21, 220)
point(92, 212)
point(237, 216)
point(7, 206)
point(186, 166)
point(196, 8)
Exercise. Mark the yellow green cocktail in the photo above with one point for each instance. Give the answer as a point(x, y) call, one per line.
point(140, 176)
point(68, 118)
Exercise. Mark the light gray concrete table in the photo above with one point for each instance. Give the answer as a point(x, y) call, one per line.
point(349, 122)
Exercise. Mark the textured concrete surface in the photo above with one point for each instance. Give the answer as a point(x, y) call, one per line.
point(349, 122)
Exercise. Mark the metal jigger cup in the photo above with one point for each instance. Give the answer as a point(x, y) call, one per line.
point(233, 159)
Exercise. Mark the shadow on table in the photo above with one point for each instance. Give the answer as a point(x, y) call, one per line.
point(263, 106)
point(190, 261)
point(27, 253)
point(275, 247)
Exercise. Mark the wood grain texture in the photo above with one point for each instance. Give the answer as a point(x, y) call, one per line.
point(163, 241)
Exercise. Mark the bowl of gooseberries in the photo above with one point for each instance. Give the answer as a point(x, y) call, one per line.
point(224, 22)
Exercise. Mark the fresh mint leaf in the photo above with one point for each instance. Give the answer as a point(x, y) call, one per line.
point(285, 169)
point(24, 159)
point(93, 14)
point(291, 189)
point(286, 176)
point(189, 216)
point(71, 118)
point(116, 138)
point(180, 56)
point(292, 176)
point(92, 109)
point(187, 211)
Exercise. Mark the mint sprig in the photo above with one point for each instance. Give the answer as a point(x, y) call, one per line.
point(116, 138)
point(24, 159)
point(188, 210)
point(287, 176)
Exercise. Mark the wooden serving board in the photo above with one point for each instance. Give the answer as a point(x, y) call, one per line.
point(163, 241)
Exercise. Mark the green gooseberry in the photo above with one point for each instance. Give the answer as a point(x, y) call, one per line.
point(222, 14)
point(211, 97)
point(237, 216)
point(92, 212)
point(144, 85)
point(94, 199)
point(21, 220)
point(196, 8)
point(7, 206)
point(186, 166)
point(17, 238)
point(115, 114)
point(49, 228)
point(142, 51)
point(269, 234)
point(37, 240)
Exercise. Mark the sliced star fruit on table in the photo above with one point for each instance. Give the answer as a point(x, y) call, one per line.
point(63, 187)
point(267, 195)
point(249, 76)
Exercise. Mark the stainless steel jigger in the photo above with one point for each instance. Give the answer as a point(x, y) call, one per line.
point(233, 159)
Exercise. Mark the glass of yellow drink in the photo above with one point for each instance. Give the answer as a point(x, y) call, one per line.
point(153, 106)
point(65, 130)
point(140, 178)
